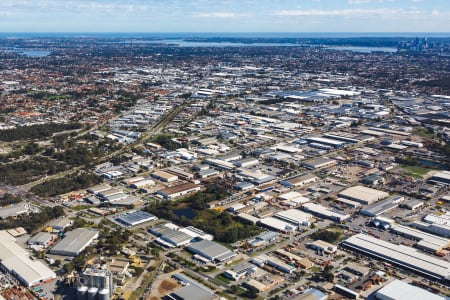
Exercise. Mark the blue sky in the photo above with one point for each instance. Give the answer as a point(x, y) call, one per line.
point(225, 16)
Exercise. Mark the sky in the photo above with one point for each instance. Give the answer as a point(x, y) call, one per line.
point(225, 16)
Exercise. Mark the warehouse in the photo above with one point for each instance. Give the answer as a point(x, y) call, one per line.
point(280, 265)
point(326, 141)
point(16, 261)
point(428, 242)
point(323, 247)
point(382, 207)
point(179, 190)
point(436, 228)
point(241, 271)
point(142, 184)
point(74, 242)
point(109, 193)
point(207, 173)
point(348, 203)
point(400, 255)
point(99, 188)
point(191, 290)
point(441, 177)
point(295, 217)
point(299, 180)
point(311, 294)
point(196, 233)
point(173, 238)
point(318, 163)
point(246, 162)
point(211, 251)
point(14, 210)
point(221, 164)
point(164, 176)
point(325, 212)
point(41, 239)
point(277, 224)
point(133, 218)
point(363, 195)
point(60, 224)
point(180, 173)
point(400, 290)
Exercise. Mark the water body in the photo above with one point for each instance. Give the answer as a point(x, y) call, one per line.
point(186, 212)
point(29, 53)
point(182, 35)
point(363, 49)
point(195, 44)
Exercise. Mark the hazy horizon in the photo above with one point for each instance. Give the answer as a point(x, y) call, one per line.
point(225, 16)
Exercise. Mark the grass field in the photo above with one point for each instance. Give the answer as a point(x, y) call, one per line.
point(416, 171)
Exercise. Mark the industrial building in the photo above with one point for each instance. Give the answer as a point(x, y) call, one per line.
point(441, 178)
point(96, 284)
point(191, 290)
point(14, 210)
point(323, 247)
point(196, 233)
point(400, 290)
point(400, 255)
point(173, 238)
point(134, 217)
point(436, 228)
point(295, 217)
point(263, 239)
point(278, 264)
point(363, 195)
point(209, 251)
point(16, 261)
point(325, 212)
point(60, 224)
point(382, 207)
point(74, 242)
point(41, 239)
point(426, 241)
point(164, 176)
point(99, 188)
point(241, 271)
point(311, 294)
point(179, 190)
point(277, 225)
point(299, 180)
point(318, 163)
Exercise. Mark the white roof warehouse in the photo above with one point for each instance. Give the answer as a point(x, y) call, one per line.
point(74, 242)
point(16, 261)
point(400, 255)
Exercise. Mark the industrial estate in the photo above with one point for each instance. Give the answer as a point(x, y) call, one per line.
point(134, 168)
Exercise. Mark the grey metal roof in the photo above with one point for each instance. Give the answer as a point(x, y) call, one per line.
point(192, 292)
point(400, 255)
point(74, 242)
point(210, 249)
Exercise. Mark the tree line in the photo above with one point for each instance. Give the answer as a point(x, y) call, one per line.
point(33, 221)
point(35, 131)
point(72, 182)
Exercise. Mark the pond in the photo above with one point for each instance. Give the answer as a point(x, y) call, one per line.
point(186, 212)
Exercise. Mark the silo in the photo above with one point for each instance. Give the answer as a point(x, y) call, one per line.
point(92, 292)
point(103, 294)
point(82, 292)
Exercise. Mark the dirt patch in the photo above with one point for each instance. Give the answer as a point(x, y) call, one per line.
point(166, 286)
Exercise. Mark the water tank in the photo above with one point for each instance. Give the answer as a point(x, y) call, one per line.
point(103, 294)
point(82, 292)
point(92, 292)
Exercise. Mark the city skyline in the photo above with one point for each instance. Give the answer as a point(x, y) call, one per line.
point(225, 16)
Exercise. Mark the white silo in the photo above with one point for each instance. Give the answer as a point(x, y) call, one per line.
point(92, 292)
point(82, 292)
point(103, 294)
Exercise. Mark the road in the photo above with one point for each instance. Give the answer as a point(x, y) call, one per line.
point(157, 128)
